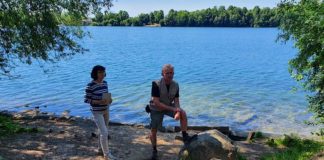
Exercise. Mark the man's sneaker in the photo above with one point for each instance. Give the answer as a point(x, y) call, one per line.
point(154, 155)
point(187, 139)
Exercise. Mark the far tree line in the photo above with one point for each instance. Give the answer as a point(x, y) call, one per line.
point(211, 17)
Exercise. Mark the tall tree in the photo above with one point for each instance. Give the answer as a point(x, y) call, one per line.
point(303, 22)
point(35, 30)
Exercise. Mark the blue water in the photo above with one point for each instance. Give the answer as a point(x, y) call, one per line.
point(228, 76)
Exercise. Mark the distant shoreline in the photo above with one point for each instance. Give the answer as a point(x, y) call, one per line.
point(159, 26)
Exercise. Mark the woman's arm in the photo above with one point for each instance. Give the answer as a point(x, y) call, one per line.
point(88, 95)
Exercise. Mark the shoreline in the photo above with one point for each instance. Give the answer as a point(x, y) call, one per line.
point(224, 129)
point(75, 137)
point(69, 137)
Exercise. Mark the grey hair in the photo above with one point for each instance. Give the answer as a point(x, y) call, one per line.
point(167, 66)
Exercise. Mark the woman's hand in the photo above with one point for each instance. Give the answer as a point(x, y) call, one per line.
point(100, 102)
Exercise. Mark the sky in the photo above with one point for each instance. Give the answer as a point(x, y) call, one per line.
point(135, 7)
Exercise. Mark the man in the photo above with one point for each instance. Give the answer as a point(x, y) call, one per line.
point(165, 101)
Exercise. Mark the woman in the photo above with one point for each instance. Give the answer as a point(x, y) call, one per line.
point(99, 99)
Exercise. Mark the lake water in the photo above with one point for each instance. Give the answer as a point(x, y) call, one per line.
point(228, 76)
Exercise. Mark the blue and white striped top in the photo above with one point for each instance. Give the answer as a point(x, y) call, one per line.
point(94, 91)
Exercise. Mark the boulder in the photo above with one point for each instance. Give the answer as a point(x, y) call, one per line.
point(208, 145)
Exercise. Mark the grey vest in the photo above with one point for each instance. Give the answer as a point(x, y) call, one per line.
point(166, 97)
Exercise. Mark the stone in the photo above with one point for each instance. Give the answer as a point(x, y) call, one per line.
point(51, 118)
point(208, 145)
point(93, 135)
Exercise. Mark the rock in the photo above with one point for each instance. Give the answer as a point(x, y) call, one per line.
point(93, 135)
point(43, 117)
point(61, 119)
point(62, 132)
point(66, 113)
point(51, 118)
point(74, 118)
point(127, 152)
point(18, 117)
point(170, 129)
point(36, 111)
point(208, 145)
point(6, 113)
point(34, 130)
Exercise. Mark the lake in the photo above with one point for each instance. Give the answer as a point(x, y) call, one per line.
point(228, 76)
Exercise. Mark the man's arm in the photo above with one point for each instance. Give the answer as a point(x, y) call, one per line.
point(162, 106)
point(177, 102)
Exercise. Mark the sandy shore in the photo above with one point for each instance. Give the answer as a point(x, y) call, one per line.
point(76, 138)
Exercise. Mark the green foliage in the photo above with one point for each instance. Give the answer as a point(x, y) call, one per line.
point(36, 30)
point(258, 135)
point(294, 148)
point(303, 22)
point(211, 17)
point(240, 157)
point(8, 127)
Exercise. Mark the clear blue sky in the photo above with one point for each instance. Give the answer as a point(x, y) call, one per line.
point(135, 7)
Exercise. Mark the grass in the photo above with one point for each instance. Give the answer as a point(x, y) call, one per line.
point(241, 157)
point(294, 148)
point(9, 127)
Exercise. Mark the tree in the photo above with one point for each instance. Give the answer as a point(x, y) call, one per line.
point(303, 22)
point(122, 15)
point(144, 19)
point(216, 17)
point(256, 16)
point(36, 30)
point(158, 16)
point(170, 18)
point(99, 17)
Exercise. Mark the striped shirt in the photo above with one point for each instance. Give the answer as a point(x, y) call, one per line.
point(94, 91)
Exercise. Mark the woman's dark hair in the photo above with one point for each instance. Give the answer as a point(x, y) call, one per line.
point(94, 72)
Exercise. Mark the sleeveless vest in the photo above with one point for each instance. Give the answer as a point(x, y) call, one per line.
point(166, 97)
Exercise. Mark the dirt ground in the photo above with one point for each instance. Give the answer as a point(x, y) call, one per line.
point(74, 139)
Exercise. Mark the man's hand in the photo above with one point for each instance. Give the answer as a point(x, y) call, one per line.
point(177, 115)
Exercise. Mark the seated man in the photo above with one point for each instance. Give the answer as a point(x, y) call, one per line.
point(165, 101)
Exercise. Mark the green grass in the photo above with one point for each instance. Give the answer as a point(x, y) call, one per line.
point(294, 148)
point(241, 157)
point(9, 127)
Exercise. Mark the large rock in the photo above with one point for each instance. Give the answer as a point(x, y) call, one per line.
point(208, 145)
